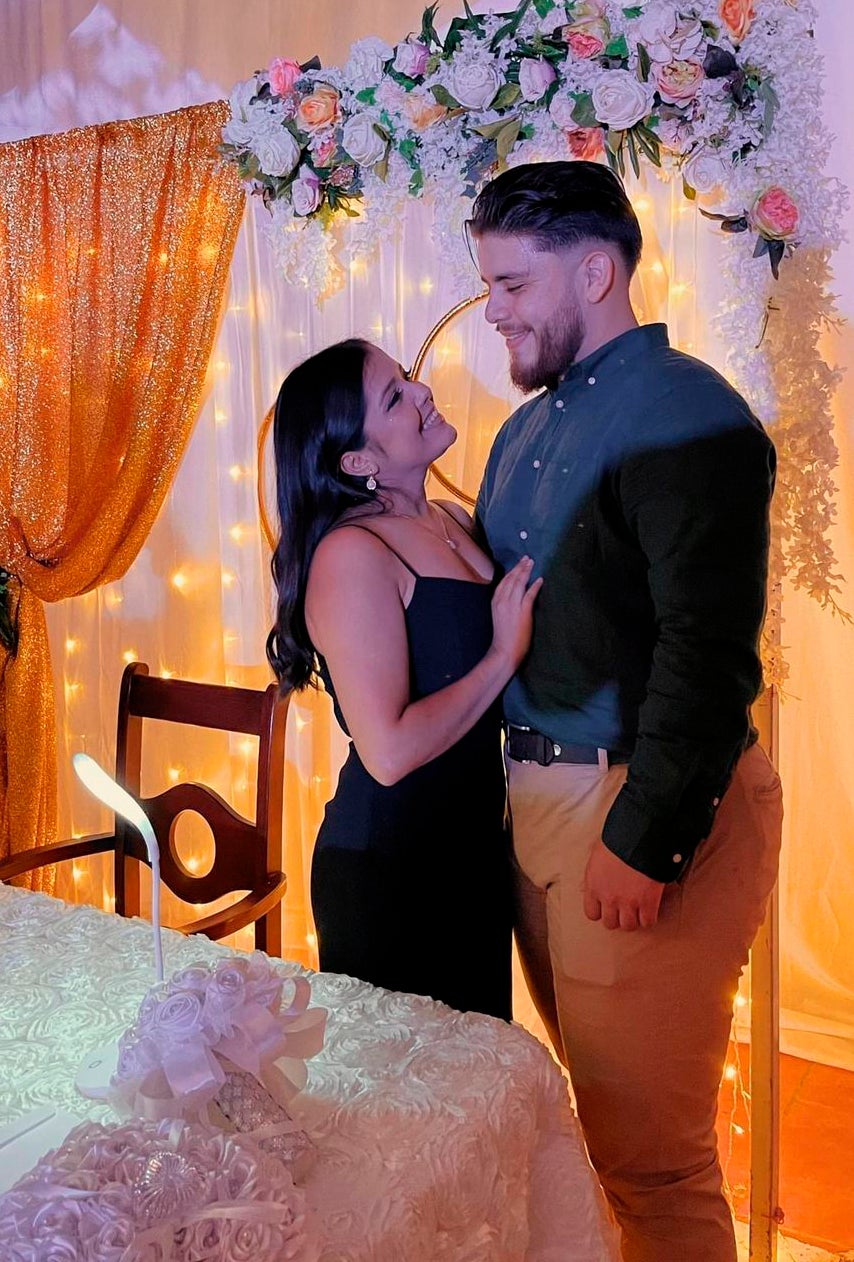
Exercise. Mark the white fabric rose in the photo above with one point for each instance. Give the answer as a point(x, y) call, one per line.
point(666, 37)
point(474, 84)
point(411, 57)
point(364, 67)
point(621, 100)
point(560, 109)
point(276, 150)
point(305, 195)
point(704, 171)
point(535, 75)
point(362, 141)
point(241, 95)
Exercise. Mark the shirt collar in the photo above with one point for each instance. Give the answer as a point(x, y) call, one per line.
point(619, 351)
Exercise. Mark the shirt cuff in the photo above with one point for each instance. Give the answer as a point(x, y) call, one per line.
point(645, 844)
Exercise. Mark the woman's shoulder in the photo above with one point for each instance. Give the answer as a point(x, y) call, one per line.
point(352, 541)
point(455, 510)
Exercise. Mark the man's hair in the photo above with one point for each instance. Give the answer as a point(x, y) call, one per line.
point(559, 204)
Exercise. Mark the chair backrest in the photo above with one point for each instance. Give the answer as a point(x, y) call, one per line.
point(246, 853)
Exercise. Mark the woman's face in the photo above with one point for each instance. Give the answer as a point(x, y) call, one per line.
point(403, 429)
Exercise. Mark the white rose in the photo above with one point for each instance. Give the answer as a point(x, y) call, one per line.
point(241, 95)
point(362, 141)
point(535, 75)
point(276, 150)
point(621, 100)
point(666, 36)
point(305, 195)
point(364, 67)
point(411, 58)
point(560, 109)
point(474, 84)
point(237, 132)
point(704, 171)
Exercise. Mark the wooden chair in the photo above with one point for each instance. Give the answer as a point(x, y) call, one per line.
point(248, 856)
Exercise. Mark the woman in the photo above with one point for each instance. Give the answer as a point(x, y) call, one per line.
point(388, 597)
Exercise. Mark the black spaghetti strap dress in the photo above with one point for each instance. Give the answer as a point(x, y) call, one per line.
point(410, 883)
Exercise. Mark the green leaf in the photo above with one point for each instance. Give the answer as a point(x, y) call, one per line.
point(614, 140)
point(711, 31)
point(429, 35)
point(776, 250)
point(443, 97)
point(644, 62)
point(766, 94)
point(490, 130)
point(455, 34)
point(432, 65)
point(416, 183)
point(689, 192)
point(506, 139)
point(543, 7)
point(633, 151)
point(367, 96)
point(762, 247)
point(511, 26)
point(633, 12)
point(507, 95)
point(617, 47)
point(381, 167)
point(408, 149)
point(649, 144)
point(583, 113)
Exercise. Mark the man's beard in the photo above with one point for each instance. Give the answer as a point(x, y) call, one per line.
point(559, 343)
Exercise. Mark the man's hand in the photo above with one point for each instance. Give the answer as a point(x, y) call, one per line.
point(618, 895)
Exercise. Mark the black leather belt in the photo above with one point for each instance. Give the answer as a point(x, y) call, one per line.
point(523, 744)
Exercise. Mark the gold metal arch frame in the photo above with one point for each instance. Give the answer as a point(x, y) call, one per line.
point(414, 372)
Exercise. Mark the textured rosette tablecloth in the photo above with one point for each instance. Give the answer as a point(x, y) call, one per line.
point(440, 1135)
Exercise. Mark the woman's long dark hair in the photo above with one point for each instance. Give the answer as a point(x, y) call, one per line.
point(320, 414)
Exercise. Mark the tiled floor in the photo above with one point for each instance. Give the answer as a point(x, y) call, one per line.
point(816, 1151)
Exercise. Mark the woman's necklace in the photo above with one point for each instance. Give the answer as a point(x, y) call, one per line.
point(435, 512)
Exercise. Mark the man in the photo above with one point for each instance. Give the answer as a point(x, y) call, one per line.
point(646, 820)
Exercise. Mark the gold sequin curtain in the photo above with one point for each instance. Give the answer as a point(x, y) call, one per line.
point(115, 246)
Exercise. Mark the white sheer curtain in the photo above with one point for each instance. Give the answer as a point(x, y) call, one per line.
point(197, 601)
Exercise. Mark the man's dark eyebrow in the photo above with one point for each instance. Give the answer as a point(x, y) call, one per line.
point(504, 276)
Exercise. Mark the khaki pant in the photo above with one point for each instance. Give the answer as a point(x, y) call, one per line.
point(642, 1019)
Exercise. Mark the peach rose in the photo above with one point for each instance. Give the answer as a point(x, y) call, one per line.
point(422, 110)
point(737, 16)
point(775, 214)
point(283, 73)
point(679, 81)
point(586, 142)
point(320, 109)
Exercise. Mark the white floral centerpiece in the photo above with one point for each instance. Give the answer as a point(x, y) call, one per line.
point(225, 1045)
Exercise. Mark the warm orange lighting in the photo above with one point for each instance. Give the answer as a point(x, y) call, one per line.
point(730, 1073)
point(76, 872)
point(72, 645)
point(236, 472)
point(238, 533)
point(227, 578)
point(220, 417)
point(174, 774)
point(130, 655)
point(179, 580)
point(311, 939)
point(164, 257)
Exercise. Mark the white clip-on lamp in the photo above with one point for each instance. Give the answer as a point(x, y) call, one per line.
point(91, 1080)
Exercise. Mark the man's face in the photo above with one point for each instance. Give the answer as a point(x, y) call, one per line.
point(533, 304)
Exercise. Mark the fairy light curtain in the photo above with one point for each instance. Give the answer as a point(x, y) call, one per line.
point(196, 601)
point(115, 243)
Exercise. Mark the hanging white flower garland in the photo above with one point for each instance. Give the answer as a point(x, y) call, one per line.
point(722, 94)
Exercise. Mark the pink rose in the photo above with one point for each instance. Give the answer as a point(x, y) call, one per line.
point(411, 58)
point(178, 1017)
point(679, 81)
point(775, 215)
point(587, 143)
point(283, 73)
point(535, 75)
point(587, 39)
point(305, 195)
point(325, 151)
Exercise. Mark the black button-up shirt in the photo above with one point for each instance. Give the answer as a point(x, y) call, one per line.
point(641, 488)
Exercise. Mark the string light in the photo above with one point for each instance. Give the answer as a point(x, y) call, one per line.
point(220, 417)
point(236, 472)
point(164, 257)
point(238, 532)
point(130, 655)
point(72, 645)
point(174, 774)
point(311, 939)
point(179, 580)
point(426, 285)
point(227, 578)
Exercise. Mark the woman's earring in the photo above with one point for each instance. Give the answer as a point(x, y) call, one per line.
point(371, 483)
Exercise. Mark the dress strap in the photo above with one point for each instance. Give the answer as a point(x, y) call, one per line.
point(403, 561)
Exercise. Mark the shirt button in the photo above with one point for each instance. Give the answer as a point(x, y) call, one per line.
point(536, 464)
point(591, 381)
point(523, 534)
point(557, 751)
point(716, 801)
point(559, 404)
point(677, 858)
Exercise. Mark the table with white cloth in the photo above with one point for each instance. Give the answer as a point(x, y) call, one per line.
point(439, 1135)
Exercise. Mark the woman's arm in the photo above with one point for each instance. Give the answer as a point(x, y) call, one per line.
point(355, 615)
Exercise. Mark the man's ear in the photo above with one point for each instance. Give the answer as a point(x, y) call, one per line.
point(357, 464)
point(598, 273)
